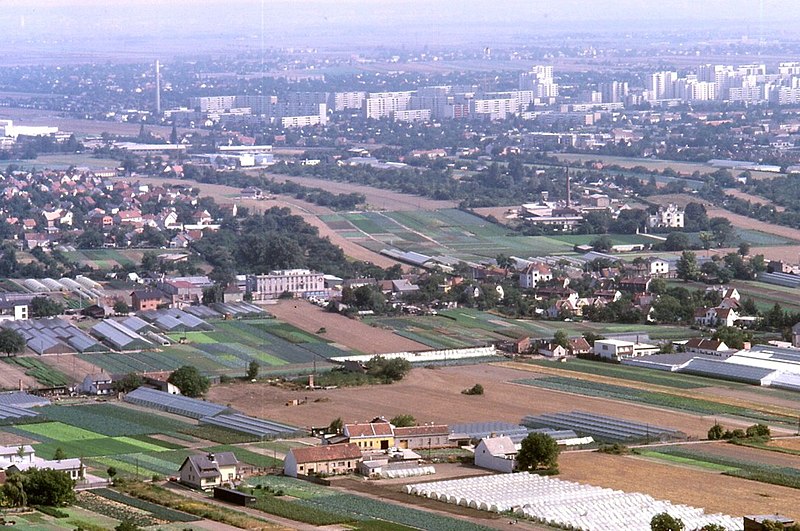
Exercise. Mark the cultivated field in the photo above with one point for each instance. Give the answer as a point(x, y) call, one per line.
point(683, 168)
point(678, 484)
point(12, 376)
point(353, 334)
point(435, 395)
point(377, 198)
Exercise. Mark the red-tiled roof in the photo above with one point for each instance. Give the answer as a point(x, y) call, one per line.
point(422, 431)
point(368, 429)
point(328, 452)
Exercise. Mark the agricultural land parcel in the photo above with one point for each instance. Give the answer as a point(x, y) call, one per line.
point(134, 441)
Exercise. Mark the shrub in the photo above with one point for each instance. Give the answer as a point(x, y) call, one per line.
point(758, 430)
point(476, 389)
point(716, 432)
point(52, 511)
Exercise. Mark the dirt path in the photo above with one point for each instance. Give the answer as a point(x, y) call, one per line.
point(308, 211)
point(12, 376)
point(351, 333)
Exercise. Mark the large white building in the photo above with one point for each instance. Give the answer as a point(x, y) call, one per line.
point(379, 105)
point(617, 349)
point(670, 217)
point(8, 129)
point(298, 282)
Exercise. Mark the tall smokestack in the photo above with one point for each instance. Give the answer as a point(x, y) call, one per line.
point(569, 198)
point(158, 88)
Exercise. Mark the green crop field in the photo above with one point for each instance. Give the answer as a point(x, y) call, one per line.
point(43, 373)
point(112, 420)
point(618, 392)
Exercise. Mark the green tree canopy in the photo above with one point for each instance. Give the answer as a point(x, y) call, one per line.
point(128, 383)
point(189, 380)
point(44, 307)
point(666, 522)
point(404, 421)
point(48, 487)
point(388, 371)
point(538, 450)
point(687, 268)
point(11, 342)
point(252, 370)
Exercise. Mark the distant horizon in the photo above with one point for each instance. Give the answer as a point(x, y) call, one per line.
point(142, 26)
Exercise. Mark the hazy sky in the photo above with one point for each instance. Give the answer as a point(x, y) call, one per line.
point(150, 24)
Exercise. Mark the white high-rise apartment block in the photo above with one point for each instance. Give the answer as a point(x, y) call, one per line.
point(379, 105)
point(661, 85)
point(348, 100)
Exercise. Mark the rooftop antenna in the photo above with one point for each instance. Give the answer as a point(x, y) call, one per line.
point(158, 88)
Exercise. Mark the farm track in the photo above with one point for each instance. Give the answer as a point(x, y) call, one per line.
point(685, 393)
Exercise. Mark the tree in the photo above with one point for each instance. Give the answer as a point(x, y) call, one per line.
point(11, 342)
point(712, 527)
point(48, 487)
point(127, 525)
point(59, 454)
point(121, 307)
point(13, 491)
point(128, 383)
point(744, 248)
point(112, 472)
point(758, 430)
point(733, 337)
point(676, 241)
point(716, 432)
point(90, 239)
point(252, 370)
point(601, 244)
point(687, 266)
point(560, 338)
point(403, 421)
point(189, 380)
point(666, 522)
point(44, 307)
point(388, 370)
point(538, 450)
point(336, 425)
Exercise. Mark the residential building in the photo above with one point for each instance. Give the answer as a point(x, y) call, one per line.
point(657, 267)
point(707, 347)
point(669, 217)
point(534, 274)
point(143, 300)
point(496, 453)
point(13, 310)
point(328, 460)
point(206, 471)
point(617, 349)
point(423, 437)
point(97, 384)
point(298, 282)
point(376, 435)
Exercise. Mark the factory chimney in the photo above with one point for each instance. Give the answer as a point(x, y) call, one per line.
point(569, 198)
point(158, 88)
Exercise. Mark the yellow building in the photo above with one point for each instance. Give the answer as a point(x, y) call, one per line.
point(370, 435)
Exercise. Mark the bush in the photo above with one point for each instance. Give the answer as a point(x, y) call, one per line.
point(758, 430)
point(716, 432)
point(52, 511)
point(614, 449)
point(476, 389)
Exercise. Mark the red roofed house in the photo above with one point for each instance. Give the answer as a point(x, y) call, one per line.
point(329, 460)
point(370, 435)
point(534, 274)
point(709, 347)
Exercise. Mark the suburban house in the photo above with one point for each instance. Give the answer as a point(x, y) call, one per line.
point(328, 459)
point(657, 267)
point(72, 467)
point(205, 471)
point(143, 300)
point(551, 350)
point(707, 347)
point(715, 316)
point(636, 285)
point(423, 437)
point(617, 349)
point(532, 275)
point(97, 384)
point(496, 453)
point(579, 346)
point(375, 435)
point(13, 310)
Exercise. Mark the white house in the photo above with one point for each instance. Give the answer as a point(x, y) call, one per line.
point(670, 217)
point(205, 471)
point(97, 384)
point(73, 466)
point(657, 267)
point(533, 275)
point(496, 453)
point(708, 347)
point(13, 310)
point(617, 349)
point(10, 455)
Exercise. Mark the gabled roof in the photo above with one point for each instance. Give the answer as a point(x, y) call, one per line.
point(207, 465)
point(369, 429)
point(422, 431)
point(500, 446)
point(328, 452)
point(706, 344)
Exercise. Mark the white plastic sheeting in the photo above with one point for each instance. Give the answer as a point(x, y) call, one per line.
point(565, 503)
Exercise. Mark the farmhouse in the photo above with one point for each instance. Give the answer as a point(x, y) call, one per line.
point(707, 347)
point(370, 435)
point(143, 300)
point(205, 471)
point(496, 453)
point(329, 459)
point(73, 467)
point(422, 437)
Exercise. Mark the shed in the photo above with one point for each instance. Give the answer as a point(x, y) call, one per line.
point(235, 497)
